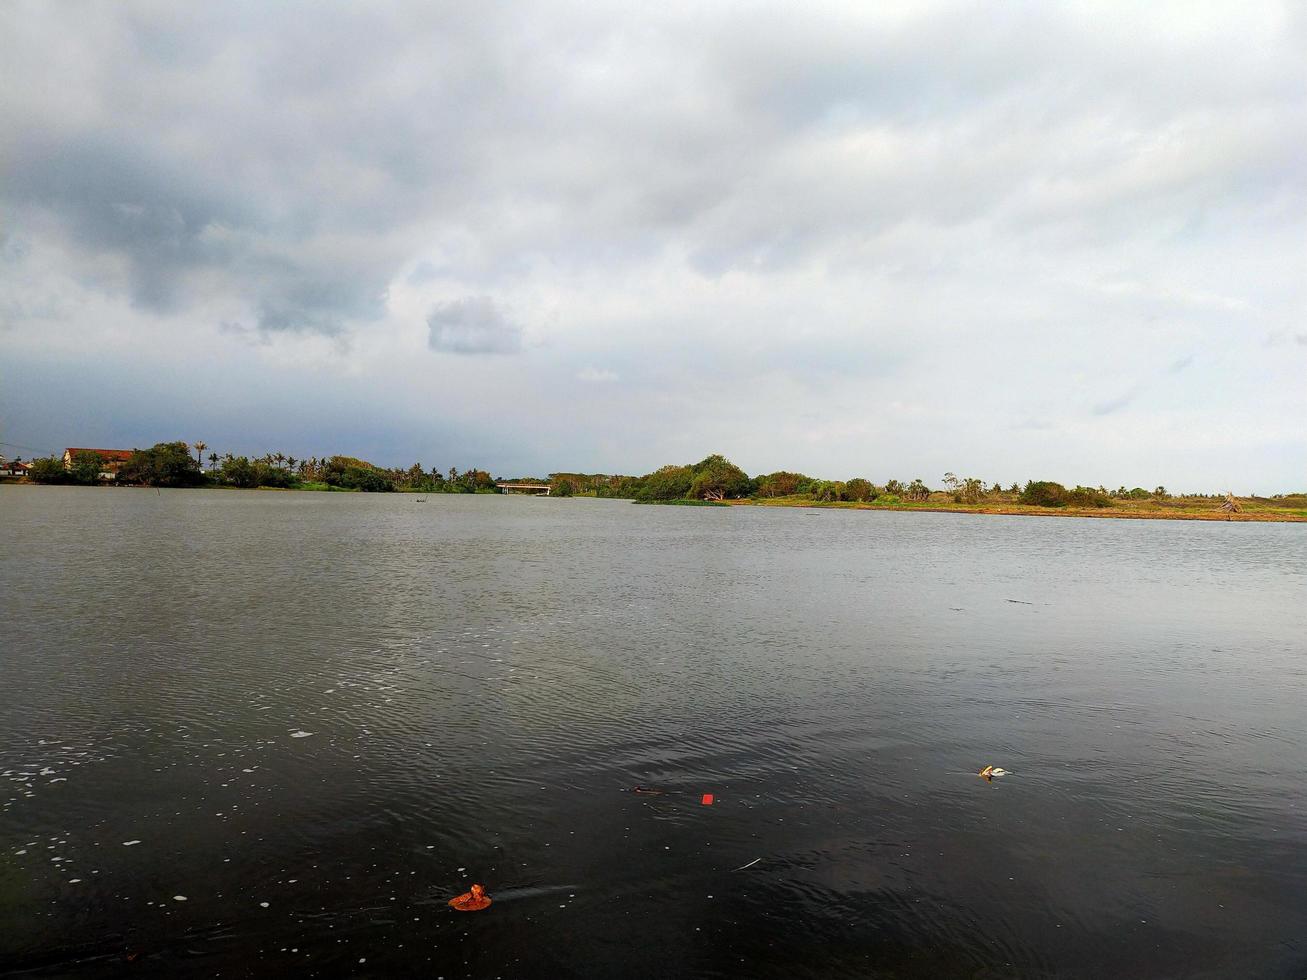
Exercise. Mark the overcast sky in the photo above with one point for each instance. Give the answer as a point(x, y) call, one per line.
point(1010, 240)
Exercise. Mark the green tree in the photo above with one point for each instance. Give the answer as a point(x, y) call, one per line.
point(238, 471)
point(859, 489)
point(86, 468)
point(48, 469)
point(166, 464)
point(355, 474)
point(782, 483)
point(1044, 493)
point(667, 483)
point(1088, 497)
point(717, 478)
point(825, 491)
point(561, 488)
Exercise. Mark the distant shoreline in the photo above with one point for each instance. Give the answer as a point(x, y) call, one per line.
point(1019, 510)
point(1269, 516)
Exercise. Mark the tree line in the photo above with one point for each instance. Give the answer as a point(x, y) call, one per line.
point(714, 478)
point(181, 464)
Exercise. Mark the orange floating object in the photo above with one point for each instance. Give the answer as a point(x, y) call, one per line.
point(473, 901)
point(707, 799)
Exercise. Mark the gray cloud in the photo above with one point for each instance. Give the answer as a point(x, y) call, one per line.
point(1112, 405)
point(474, 325)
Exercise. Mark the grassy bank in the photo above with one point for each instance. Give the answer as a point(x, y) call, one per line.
point(1253, 508)
point(691, 503)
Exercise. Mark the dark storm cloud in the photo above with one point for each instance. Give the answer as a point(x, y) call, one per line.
point(474, 325)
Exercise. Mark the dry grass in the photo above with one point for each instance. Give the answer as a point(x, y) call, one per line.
point(1255, 509)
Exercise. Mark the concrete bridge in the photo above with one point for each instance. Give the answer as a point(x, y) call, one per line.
point(535, 489)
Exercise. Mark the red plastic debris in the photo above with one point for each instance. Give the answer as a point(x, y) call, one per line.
point(473, 901)
point(707, 799)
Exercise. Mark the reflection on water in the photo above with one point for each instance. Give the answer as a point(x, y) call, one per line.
point(247, 733)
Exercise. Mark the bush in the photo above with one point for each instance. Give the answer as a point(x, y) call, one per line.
point(1044, 493)
point(165, 464)
point(48, 469)
point(563, 488)
point(859, 489)
point(717, 478)
point(1088, 497)
point(780, 484)
point(87, 467)
point(238, 471)
point(826, 491)
point(668, 483)
point(358, 474)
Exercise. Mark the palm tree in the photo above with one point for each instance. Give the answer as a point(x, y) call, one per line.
point(290, 462)
point(199, 453)
point(213, 461)
point(280, 458)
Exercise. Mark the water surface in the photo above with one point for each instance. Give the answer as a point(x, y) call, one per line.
point(320, 716)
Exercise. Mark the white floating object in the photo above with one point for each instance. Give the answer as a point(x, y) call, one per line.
point(179, 898)
point(130, 843)
point(300, 734)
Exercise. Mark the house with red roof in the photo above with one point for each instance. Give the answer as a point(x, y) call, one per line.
point(110, 460)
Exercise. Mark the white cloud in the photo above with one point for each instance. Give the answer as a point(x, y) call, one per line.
point(774, 225)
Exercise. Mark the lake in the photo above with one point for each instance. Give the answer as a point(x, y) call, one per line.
point(252, 733)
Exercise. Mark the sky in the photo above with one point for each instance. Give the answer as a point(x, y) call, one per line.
point(1011, 241)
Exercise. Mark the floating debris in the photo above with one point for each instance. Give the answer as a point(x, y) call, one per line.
point(989, 772)
point(707, 799)
point(647, 791)
point(130, 843)
point(300, 734)
point(749, 865)
point(472, 901)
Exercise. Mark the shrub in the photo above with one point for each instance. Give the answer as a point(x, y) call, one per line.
point(86, 468)
point(47, 469)
point(859, 489)
point(1088, 497)
point(165, 464)
point(1044, 493)
point(779, 484)
point(357, 474)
